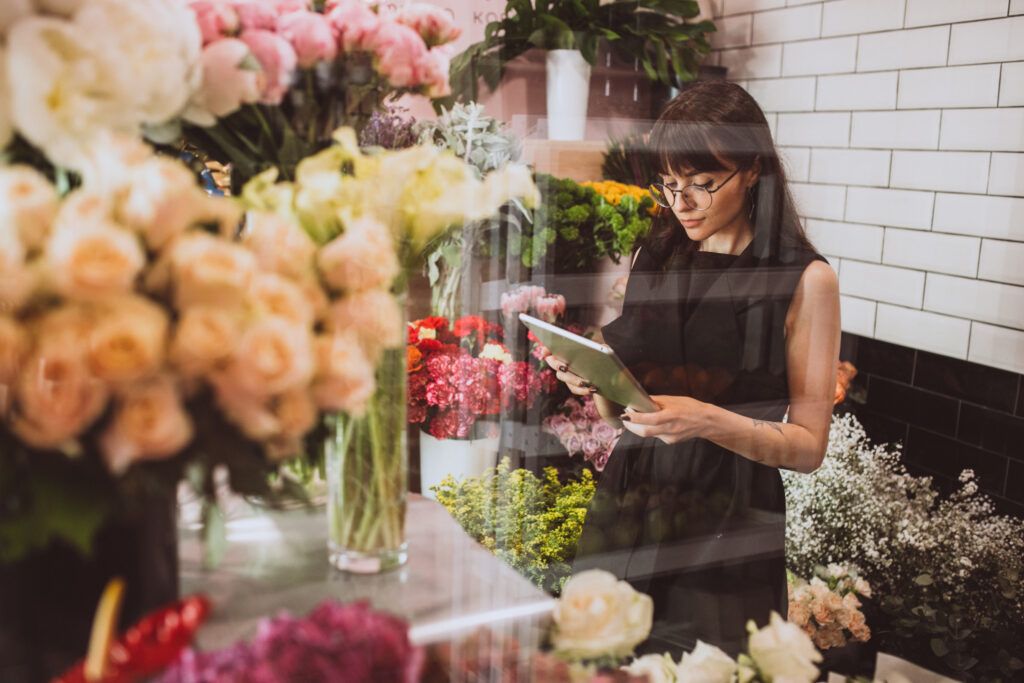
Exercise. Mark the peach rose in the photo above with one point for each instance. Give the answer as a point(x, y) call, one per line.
point(821, 611)
point(94, 260)
point(14, 346)
point(204, 340)
point(251, 414)
point(208, 270)
point(83, 207)
point(799, 613)
point(149, 423)
point(162, 201)
point(28, 204)
point(280, 245)
point(374, 316)
point(274, 356)
point(56, 397)
point(296, 414)
point(128, 341)
point(274, 295)
point(17, 280)
point(344, 376)
point(363, 257)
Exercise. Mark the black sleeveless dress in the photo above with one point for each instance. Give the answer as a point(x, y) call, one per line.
point(698, 527)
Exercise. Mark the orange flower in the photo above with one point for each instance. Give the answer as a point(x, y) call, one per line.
point(413, 359)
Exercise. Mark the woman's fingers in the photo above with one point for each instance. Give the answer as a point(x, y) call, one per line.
point(576, 384)
point(556, 363)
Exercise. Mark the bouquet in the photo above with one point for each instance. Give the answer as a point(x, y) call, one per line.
point(461, 375)
point(828, 607)
point(280, 76)
point(581, 430)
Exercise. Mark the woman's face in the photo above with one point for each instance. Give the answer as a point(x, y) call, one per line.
point(728, 192)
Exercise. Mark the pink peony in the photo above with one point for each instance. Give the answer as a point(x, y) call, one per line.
point(216, 19)
point(355, 24)
point(399, 51)
point(311, 35)
point(277, 59)
point(231, 78)
point(255, 15)
point(433, 73)
point(433, 24)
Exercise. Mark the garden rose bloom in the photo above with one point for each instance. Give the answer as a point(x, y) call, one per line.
point(149, 423)
point(231, 78)
point(398, 50)
point(599, 615)
point(274, 356)
point(28, 204)
point(57, 397)
point(207, 270)
point(374, 315)
point(355, 24)
point(434, 24)
point(204, 339)
point(280, 245)
point(274, 295)
point(216, 19)
point(706, 664)
point(14, 345)
point(277, 59)
point(296, 414)
point(128, 341)
point(361, 258)
point(311, 36)
point(94, 260)
point(783, 651)
point(251, 414)
point(162, 201)
point(344, 376)
point(799, 612)
point(16, 278)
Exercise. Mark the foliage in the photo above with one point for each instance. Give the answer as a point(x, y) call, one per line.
point(480, 140)
point(948, 572)
point(653, 32)
point(531, 522)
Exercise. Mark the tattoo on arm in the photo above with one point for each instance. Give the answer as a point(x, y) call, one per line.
point(774, 425)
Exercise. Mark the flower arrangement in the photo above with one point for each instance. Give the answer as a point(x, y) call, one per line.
point(533, 300)
point(613, 193)
point(780, 651)
point(532, 523)
point(828, 607)
point(280, 77)
point(335, 642)
point(946, 573)
point(580, 429)
point(461, 375)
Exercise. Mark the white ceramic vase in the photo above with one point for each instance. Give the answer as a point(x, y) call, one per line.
point(460, 458)
point(568, 78)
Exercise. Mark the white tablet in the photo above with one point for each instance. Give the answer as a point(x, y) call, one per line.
point(594, 362)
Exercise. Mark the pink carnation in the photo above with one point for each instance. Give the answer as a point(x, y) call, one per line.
point(276, 58)
point(433, 24)
point(354, 23)
point(215, 19)
point(398, 50)
point(311, 35)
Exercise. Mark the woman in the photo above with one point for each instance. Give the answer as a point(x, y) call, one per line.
point(731, 322)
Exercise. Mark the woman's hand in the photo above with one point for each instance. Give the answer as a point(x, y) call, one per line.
point(576, 384)
point(679, 419)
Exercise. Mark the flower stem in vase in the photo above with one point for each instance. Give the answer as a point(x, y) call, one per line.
point(367, 470)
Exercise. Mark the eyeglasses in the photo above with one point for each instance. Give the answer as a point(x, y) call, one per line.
point(694, 196)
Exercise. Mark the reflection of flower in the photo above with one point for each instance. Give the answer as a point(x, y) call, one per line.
point(782, 651)
point(706, 664)
point(656, 668)
point(580, 428)
point(598, 616)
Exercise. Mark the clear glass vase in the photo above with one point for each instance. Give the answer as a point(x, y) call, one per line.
point(367, 475)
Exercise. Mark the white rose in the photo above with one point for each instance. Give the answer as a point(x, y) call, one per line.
point(599, 616)
point(657, 668)
point(149, 423)
point(94, 261)
point(363, 257)
point(128, 341)
point(706, 664)
point(783, 651)
point(28, 204)
point(274, 356)
point(208, 270)
point(205, 338)
point(280, 246)
point(274, 295)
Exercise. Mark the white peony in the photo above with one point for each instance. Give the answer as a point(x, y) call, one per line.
point(657, 668)
point(599, 616)
point(782, 651)
point(706, 664)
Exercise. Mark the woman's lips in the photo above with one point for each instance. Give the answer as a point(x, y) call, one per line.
point(693, 223)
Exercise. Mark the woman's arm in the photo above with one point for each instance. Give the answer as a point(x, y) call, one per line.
point(812, 354)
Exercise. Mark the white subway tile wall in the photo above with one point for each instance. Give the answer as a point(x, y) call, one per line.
point(901, 126)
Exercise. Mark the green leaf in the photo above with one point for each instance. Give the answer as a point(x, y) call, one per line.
point(214, 534)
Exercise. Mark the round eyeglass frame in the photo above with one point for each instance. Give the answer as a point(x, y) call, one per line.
point(694, 196)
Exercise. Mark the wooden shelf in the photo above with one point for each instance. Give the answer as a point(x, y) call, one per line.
point(579, 160)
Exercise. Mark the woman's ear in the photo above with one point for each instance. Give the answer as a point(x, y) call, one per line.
point(755, 172)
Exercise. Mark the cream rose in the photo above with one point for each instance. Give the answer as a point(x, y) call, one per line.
point(149, 423)
point(274, 356)
point(361, 258)
point(598, 616)
point(208, 270)
point(344, 376)
point(783, 651)
point(280, 245)
point(656, 668)
point(706, 664)
point(28, 204)
point(56, 398)
point(274, 295)
point(376, 318)
point(204, 339)
point(129, 340)
point(93, 261)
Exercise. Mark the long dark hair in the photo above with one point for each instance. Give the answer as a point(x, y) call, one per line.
point(711, 122)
